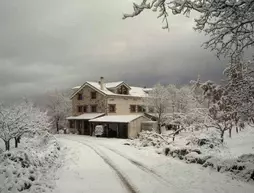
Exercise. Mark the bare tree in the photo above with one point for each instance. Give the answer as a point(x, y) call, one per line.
point(59, 106)
point(230, 24)
point(159, 100)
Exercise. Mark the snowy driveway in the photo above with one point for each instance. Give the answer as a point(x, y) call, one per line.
point(97, 165)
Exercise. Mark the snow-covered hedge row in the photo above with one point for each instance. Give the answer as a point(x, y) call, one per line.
point(26, 169)
point(241, 167)
point(202, 149)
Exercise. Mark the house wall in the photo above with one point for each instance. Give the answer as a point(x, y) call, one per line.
point(100, 101)
point(123, 104)
point(134, 127)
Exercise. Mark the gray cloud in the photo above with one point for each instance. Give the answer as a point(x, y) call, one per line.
point(60, 43)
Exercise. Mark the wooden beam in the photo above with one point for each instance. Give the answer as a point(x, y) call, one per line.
point(107, 129)
point(117, 130)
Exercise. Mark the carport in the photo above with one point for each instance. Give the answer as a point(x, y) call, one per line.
point(81, 122)
point(119, 126)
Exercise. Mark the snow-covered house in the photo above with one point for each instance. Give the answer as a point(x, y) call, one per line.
point(115, 105)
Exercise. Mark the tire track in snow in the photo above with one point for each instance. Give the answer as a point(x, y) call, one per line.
point(131, 188)
point(140, 165)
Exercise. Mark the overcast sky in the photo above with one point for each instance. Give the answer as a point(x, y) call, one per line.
point(48, 44)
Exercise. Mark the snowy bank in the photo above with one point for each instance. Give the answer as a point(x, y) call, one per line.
point(28, 168)
point(235, 156)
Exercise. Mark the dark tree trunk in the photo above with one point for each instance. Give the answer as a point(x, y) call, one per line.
point(7, 145)
point(17, 141)
point(159, 128)
point(57, 125)
point(236, 129)
point(230, 132)
point(159, 125)
point(222, 136)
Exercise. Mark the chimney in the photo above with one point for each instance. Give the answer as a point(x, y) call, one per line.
point(102, 84)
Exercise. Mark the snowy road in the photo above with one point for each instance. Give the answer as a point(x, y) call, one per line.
point(105, 165)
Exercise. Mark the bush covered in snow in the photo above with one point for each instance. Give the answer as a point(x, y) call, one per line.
point(151, 138)
point(201, 147)
point(241, 167)
point(24, 169)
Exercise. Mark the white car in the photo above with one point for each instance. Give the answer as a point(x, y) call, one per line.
point(99, 130)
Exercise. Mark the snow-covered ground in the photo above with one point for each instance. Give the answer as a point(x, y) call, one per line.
point(240, 143)
point(106, 165)
point(29, 168)
point(235, 156)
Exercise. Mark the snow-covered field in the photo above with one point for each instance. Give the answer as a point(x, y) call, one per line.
point(107, 165)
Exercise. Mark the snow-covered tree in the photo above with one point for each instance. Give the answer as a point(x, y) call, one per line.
point(159, 101)
point(59, 106)
point(19, 119)
point(240, 89)
point(229, 23)
point(221, 111)
point(189, 113)
point(173, 94)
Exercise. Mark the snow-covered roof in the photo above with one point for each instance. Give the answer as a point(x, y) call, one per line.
point(75, 87)
point(98, 87)
point(116, 118)
point(134, 91)
point(85, 116)
point(148, 89)
point(137, 91)
point(113, 84)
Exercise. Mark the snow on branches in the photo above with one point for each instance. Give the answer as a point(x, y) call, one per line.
point(221, 111)
point(240, 88)
point(158, 100)
point(59, 106)
point(176, 106)
point(229, 23)
point(17, 120)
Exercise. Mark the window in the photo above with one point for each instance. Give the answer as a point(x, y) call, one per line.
point(93, 108)
point(112, 108)
point(133, 108)
point(80, 109)
point(93, 95)
point(85, 109)
point(141, 109)
point(122, 90)
point(80, 97)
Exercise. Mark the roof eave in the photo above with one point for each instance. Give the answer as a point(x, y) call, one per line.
point(86, 83)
